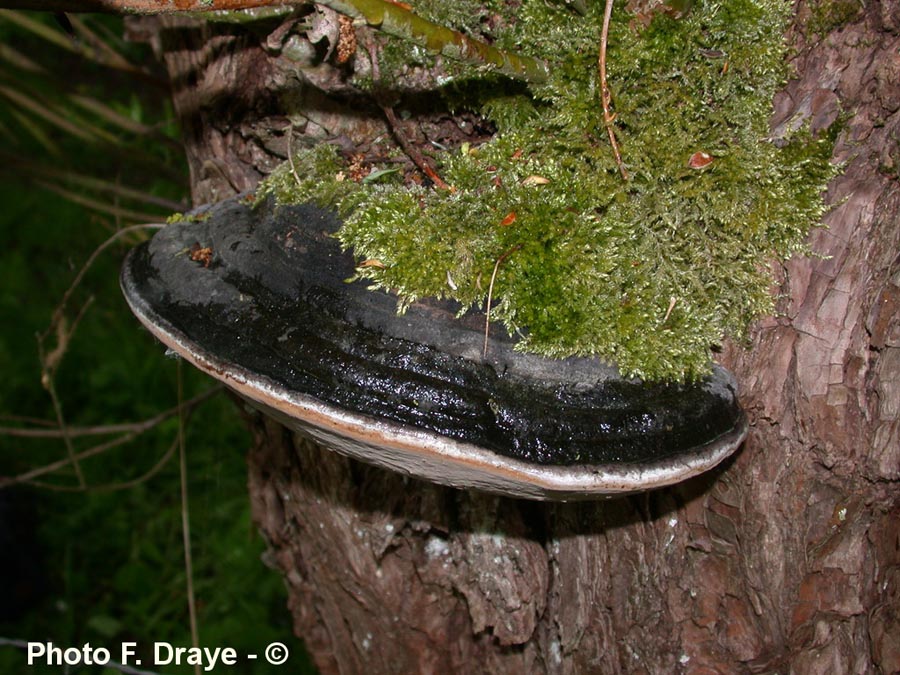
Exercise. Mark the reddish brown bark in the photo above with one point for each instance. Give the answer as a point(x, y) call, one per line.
point(785, 559)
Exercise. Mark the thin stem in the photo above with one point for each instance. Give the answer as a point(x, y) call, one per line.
point(57, 313)
point(290, 151)
point(49, 363)
point(29, 476)
point(36, 421)
point(136, 430)
point(96, 204)
point(605, 95)
point(99, 430)
point(487, 312)
point(185, 520)
point(38, 170)
point(103, 53)
point(50, 113)
point(50, 360)
point(106, 113)
point(105, 57)
point(60, 420)
point(144, 477)
point(113, 487)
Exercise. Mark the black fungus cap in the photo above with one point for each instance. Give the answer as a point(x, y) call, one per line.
point(260, 297)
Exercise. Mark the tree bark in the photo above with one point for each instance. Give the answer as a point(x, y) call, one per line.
point(786, 559)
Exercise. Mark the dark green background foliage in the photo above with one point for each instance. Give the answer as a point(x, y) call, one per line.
point(107, 566)
point(650, 273)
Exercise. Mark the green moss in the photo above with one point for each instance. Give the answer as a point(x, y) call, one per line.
point(186, 218)
point(314, 175)
point(650, 273)
point(826, 15)
point(468, 16)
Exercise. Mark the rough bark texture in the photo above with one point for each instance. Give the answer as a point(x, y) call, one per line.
point(787, 559)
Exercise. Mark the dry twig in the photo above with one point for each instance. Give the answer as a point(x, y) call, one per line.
point(605, 95)
point(411, 150)
point(406, 145)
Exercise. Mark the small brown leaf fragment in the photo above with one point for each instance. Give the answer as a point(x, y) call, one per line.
point(201, 254)
point(509, 219)
point(517, 154)
point(346, 47)
point(700, 160)
point(535, 180)
point(358, 168)
point(372, 262)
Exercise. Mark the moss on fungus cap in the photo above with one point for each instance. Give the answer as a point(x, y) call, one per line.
point(266, 308)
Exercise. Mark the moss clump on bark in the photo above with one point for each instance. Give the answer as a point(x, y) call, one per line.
point(649, 273)
point(827, 15)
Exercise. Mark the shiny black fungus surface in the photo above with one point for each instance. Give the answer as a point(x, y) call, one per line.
point(275, 301)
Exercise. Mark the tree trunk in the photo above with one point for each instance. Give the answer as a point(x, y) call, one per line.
point(786, 559)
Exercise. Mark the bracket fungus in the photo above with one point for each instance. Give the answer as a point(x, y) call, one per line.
point(268, 310)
